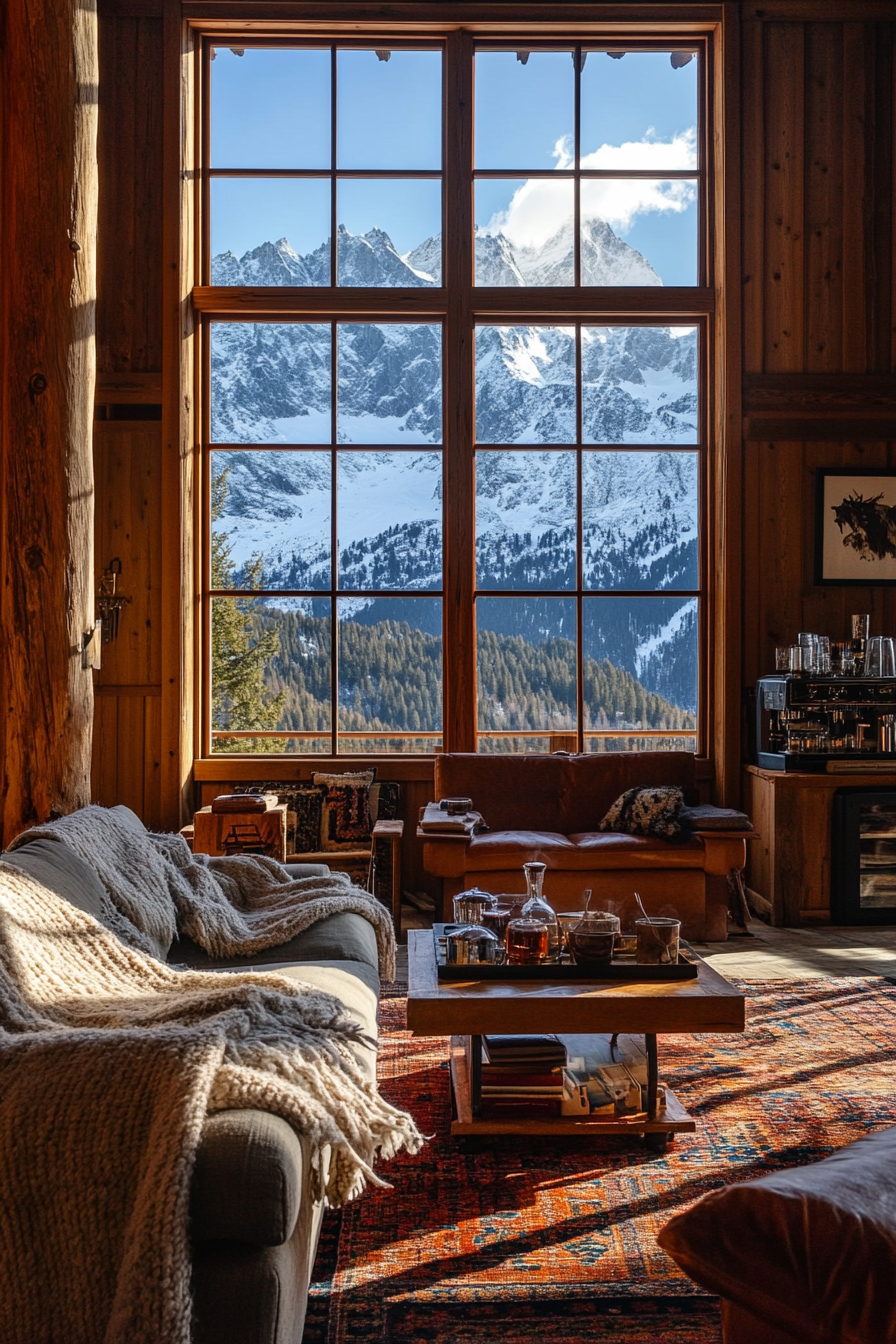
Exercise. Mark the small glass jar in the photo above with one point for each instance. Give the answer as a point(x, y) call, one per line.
point(468, 907)
point(526, 941)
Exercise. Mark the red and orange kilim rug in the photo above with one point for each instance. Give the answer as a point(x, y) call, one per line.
point(544, 1242)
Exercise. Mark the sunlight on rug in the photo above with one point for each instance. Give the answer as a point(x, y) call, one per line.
point(554, 1241)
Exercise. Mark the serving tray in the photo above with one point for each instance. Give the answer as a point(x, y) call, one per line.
point(621, 968)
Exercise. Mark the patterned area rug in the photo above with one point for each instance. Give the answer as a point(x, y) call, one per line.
point(556, 1241)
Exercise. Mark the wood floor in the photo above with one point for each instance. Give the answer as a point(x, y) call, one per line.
point(772, 954)
point(806, 953)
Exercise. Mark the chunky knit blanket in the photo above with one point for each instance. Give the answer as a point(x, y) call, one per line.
point(230, 906)
point(109, 1063)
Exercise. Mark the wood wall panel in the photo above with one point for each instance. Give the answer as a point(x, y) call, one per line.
point(784, 95)
point(824, 197)
point(129, 317)
point(128, 526)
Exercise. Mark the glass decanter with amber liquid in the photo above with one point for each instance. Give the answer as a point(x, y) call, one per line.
point(537, 907)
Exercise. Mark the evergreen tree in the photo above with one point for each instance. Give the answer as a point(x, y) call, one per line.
point(240, 648)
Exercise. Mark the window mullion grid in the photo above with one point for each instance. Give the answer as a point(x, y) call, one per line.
point(334, 556)
point(580, 553)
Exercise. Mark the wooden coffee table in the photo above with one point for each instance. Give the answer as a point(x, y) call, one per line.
point(467, 1010)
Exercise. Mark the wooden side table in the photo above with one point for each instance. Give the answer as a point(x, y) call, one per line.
point(223, 833)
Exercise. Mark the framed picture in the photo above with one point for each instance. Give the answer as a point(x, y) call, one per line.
point(855, 526)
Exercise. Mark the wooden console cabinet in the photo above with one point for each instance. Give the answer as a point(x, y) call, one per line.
point(788, 873)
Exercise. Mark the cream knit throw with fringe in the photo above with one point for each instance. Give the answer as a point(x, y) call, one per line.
point(230, 906)
point(109, 1063)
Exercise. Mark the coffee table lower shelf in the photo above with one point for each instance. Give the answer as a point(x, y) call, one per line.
point(674, 1119)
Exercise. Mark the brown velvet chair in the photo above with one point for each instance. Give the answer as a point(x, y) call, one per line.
point(801, 1256)
point(548, 808)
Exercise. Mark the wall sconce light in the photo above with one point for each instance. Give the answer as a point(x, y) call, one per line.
point(109, 602)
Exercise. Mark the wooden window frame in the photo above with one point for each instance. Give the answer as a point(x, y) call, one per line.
point(461, 306)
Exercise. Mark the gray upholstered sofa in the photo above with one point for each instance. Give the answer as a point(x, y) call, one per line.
point(254, 1227)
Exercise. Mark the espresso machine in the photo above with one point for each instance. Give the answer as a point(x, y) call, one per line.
point(823, 723)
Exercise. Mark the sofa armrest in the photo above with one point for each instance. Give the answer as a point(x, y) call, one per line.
point(723, 852)
point(247, 1182)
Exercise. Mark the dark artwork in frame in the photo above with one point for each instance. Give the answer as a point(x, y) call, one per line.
point(855, 526)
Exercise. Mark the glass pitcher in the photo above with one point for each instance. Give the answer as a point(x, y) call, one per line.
point(537, 907)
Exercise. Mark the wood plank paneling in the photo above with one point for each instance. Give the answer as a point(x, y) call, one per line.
point(128, 525)
point(784, 94)
point(824, 196)
point(129, 150)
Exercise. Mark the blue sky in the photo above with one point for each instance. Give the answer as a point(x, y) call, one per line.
point(271, 109)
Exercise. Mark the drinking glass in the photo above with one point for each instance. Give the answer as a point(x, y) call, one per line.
point(799, 659)
point(873, 657)
point(823, 656)
point(782, 658)
point(887, 657)
point(809, 643)
point(839, 647)
point(657, 941)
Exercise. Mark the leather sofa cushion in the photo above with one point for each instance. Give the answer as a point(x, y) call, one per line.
point(810, 1250)
point(494, 851)
point(342, 937)
point(555, 793)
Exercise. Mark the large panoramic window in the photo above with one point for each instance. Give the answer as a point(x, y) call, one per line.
point(415, 478)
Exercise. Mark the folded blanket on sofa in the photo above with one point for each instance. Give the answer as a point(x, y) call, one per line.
point(230, 906)
point(109, 1063)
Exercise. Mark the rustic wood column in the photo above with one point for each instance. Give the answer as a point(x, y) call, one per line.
point(47, 301)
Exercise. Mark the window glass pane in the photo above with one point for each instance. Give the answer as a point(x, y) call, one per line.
point(640, 659)
point(390, 669)
point(271, 109)
point(525, 384)
point(639, 520)
point(525, 520)
point(526, 669)
point(639, 110)
point(525, 114)
point(270, 382)
point(389, 109)
point(270, 518)
point(524, 231)
point(270, 669)
point(639, 385)
point(390, 520)
point(270, 231)
point(389, 382)
point(640, 231)
point(390, 232)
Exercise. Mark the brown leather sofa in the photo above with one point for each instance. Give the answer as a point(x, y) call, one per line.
point(548, 808)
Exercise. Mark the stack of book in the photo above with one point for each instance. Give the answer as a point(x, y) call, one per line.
point(436, 820)
point(522, 1076)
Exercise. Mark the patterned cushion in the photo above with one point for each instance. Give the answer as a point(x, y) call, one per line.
point(646, 812)
point(345, 821)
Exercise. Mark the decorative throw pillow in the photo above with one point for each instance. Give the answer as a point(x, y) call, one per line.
point(646, 812)
point(345, 822)
point(304, 812)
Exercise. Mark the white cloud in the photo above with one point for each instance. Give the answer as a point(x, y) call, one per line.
point(541, 206)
